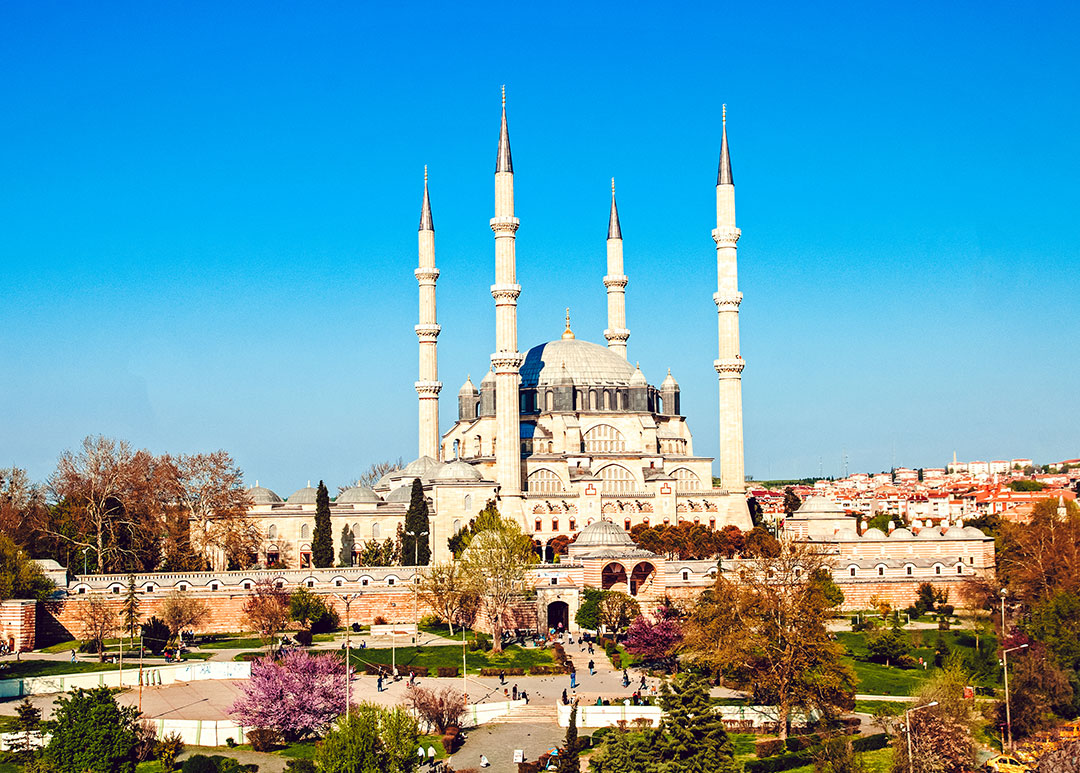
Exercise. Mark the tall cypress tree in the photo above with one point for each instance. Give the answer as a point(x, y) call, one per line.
point(322, 539)
point(416, 548)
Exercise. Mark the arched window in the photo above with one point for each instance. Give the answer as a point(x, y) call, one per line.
point(604, 439)
point(686, 480)
point(356, 530)
point(607, 399)
point(271, 533)
point(626, 524)
point(881, 571)
point(578, 400)
point(457, 524)
point(852, 571)
point(457, 448)
point(908, 570)
point(616, 479)
point(573, 523)
point(554, 524)
point(619, 400)
point(305, 532)
point(937, 569)
point(544, 481)
point(549, 400)
point(374, 531)
point(468, 505)
point(959, 568)
point(539, 525)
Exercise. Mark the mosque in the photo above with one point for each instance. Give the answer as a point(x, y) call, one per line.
point(563, 436)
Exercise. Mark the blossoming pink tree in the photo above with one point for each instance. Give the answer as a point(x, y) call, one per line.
point(298, 696)
point(655, 640)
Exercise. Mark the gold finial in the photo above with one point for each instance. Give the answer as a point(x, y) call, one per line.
point(724, 113)
point(504, 95)
point(425, 175)
point(568, 333)
point(612, 186)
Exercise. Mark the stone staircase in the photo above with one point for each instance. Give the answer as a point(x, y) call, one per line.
point(538, 713)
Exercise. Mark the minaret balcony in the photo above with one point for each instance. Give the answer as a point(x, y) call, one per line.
point(727, 236)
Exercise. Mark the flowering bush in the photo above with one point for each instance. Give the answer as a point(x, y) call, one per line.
point(298, 696)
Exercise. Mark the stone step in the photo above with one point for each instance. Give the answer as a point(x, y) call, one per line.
point(534, 713)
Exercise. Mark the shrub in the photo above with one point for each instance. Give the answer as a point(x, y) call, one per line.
point(497, 671)
point(146, 744)
point(448, 671)
point(768, 747)
point(616, 660)
point(800, 743)
point(947, 609)
point(304, 637)
point(155, 635)
point(782, 762)
point(262, 739)
point(300, 766)
point(230, 742)
point(200, 763)
point(168, 749)
point(379, 620)
point(869, 743)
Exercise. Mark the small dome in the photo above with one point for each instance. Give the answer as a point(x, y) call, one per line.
point(930, 532)
point(421, 468)
point(489, 380)
point(848, 533)
point(400, 494)
point(638, 379)
point(468, 388)
point(263, 496)
point(384, 481)
point(873, 534)
point(955, 532)
point(669, 382)
point(603, 533)
point(458, 471)
point(974, 532)
point(357, 495)
point(304, 496)
point(901, 534)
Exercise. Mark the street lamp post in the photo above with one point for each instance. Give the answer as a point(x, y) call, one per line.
point(347, 599)
point(84, 552)
point(393, 644)
point(1008, 713)
point(907, 730)
point(1002, 614)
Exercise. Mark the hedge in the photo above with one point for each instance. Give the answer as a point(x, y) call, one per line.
point(783, 762)
point(445, 671)
point(506, 671)
point(869, 743)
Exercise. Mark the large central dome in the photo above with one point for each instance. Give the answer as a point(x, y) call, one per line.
point(584, 362)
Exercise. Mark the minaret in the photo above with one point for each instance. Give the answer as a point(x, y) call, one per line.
point(729, 364)
point(428, 387)
point(506, 360)
point(615, 282)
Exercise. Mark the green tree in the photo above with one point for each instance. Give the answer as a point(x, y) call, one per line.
point(692, 736)
point(1026, 485)
point(879, 521)
point(308, 609)
point(626, 752)
point(416, 548)
point(887, 646)
point(348, 542)
point(91, 732)
point(27, 723)
point(588, 614)
point(322, 539)
point(1056, 623)
point(791, 501)
point(371, 740)
point(129, 610)
point(568, 759)
point(155, 635)
point(20, 576)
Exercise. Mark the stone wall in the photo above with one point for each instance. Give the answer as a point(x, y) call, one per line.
point(18, 624)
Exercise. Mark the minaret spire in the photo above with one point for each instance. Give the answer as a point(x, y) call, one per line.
point(427, 331)
point(729, 364)
point(506, 360)
point(615, 281)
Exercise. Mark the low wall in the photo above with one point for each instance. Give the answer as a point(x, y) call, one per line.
point(482, 713)
point(184, 672)
point(744, 718)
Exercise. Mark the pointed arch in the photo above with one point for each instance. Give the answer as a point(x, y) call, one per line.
point(616, 479)
point(544, 481)
point(604, 439)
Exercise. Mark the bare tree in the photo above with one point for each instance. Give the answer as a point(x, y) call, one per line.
point(210, 489)
point(267, 609)
point(98, 621)
point(451, 591)
point(372, 474)
point(21, 504)
point(102, 479)
point(182, 612)
point(497, 557)
point(438, 708)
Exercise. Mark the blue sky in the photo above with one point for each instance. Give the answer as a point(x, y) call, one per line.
point(208, 220)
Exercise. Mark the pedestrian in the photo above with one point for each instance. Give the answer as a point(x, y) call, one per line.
point(625, 678)
point(525, 697)
point(484, 762)
point(592, 668)
point(378, 682)
point(502, 677)
point(73, 656)
point(573, 680)
point(431, 755)
point(590, 648)
point(643, 681)
point(397, 674)
point(565, 699)
point(514, 692)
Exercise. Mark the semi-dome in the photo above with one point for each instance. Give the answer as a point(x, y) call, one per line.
point(357, 495)
point(304, 496)
point(586, 363)
point(458, 471)
point(400, 494)
point(261, 495)
point(602, 533)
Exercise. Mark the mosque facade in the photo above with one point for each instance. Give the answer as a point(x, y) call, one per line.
point(561, 436)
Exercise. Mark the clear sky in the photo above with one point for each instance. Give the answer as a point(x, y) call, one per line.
point(208, 220)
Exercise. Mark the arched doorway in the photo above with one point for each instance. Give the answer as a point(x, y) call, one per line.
point(613, 577)
point(641, 578)
point(558, 614)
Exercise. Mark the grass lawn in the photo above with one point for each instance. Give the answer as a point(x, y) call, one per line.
point(22, 669)
point(872, 707)
point(879, 761)
point(245, 643)
point(744, 744)
point(436, 741)
point(150, 766)
point(450, 655)
point(443, 630)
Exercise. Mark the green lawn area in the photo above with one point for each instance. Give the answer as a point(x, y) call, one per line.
point(449, 655)
point(443, 630)
point(245, 643)
point(879, 761)
point(872, 707)
point(150, 766)
point(22, 669)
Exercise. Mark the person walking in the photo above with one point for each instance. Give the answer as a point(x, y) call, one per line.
point(573, 680)
point(514, 692)
point(502, 677)
point(625, 678)
point(565, 699)
point(525, 697)
point(642, 681)
point(592, 668)
point(378, 682)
